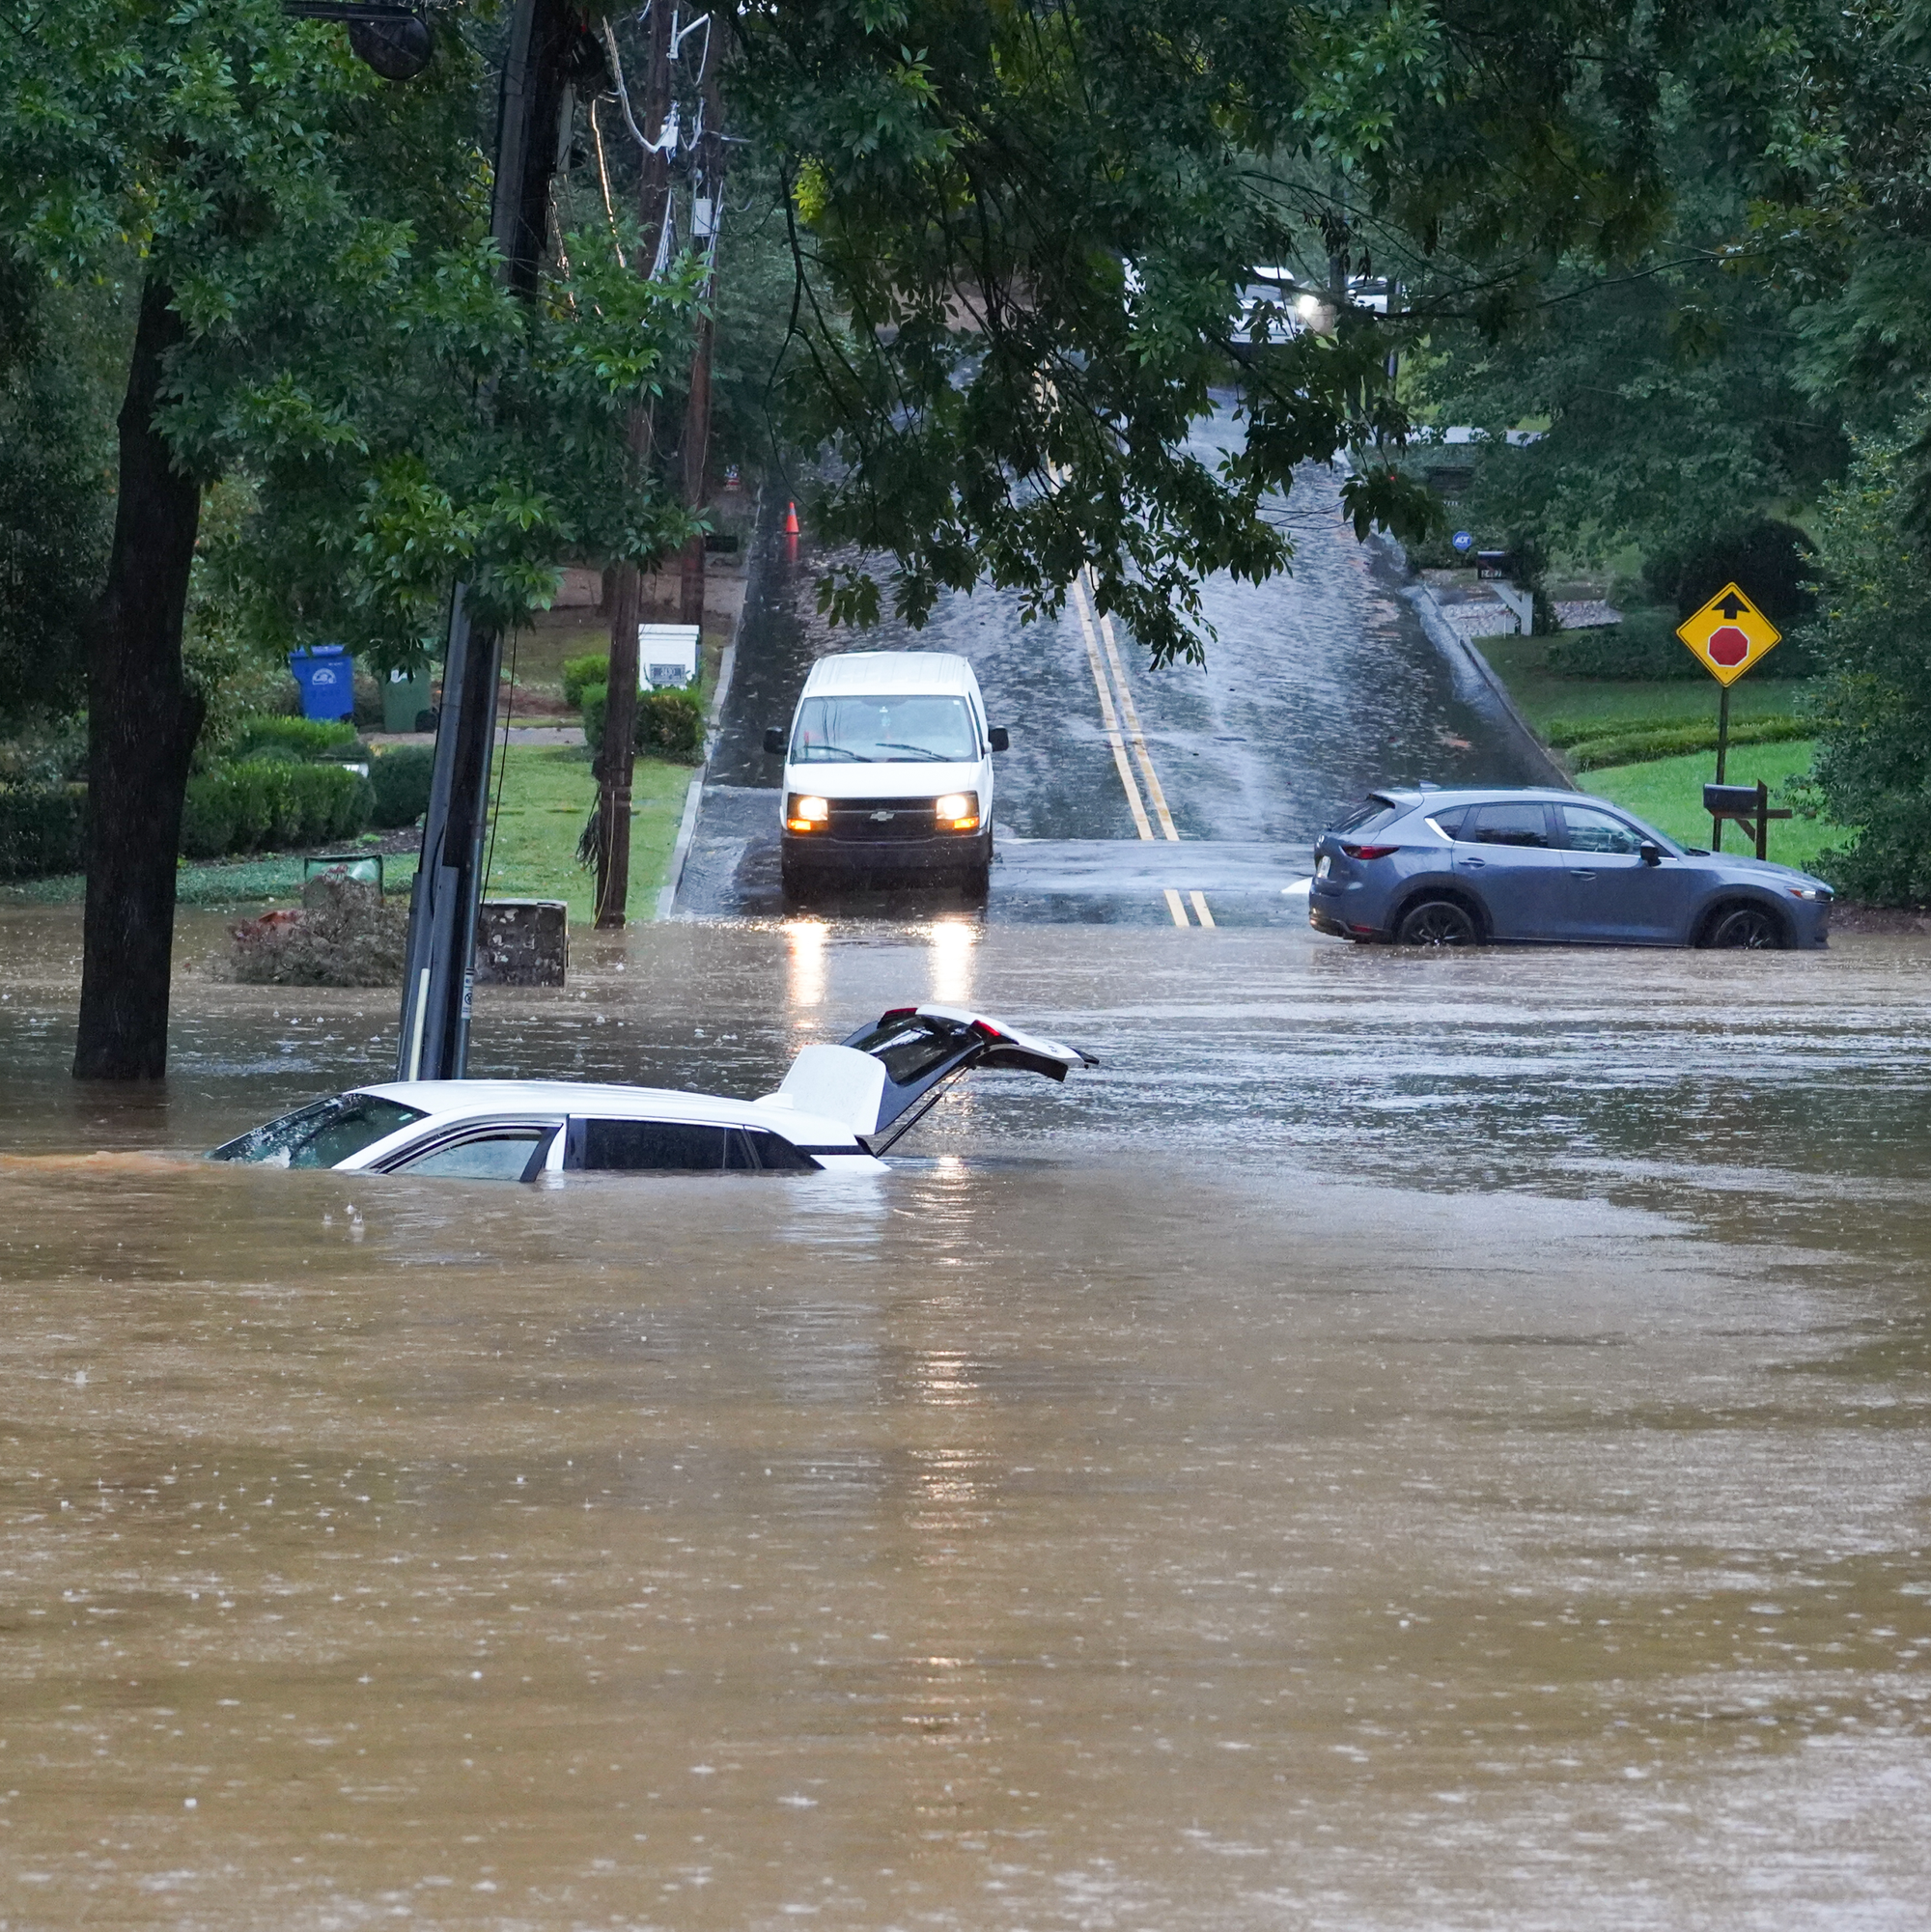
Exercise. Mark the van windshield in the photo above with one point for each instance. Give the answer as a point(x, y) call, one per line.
point(884, 731)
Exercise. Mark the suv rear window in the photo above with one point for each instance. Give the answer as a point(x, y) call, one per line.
point(1369, 816)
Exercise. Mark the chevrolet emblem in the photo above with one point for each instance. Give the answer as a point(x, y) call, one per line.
point(882, 817)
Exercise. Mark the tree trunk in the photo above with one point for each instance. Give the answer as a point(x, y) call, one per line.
point(142, 720)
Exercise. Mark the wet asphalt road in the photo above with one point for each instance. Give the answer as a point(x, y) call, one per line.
point(1317, 686)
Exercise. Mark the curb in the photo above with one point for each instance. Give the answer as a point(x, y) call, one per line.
point(1450, 642)
point(727, 666)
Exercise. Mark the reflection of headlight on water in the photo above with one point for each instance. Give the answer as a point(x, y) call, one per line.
point(807, 939)
point(952, 943)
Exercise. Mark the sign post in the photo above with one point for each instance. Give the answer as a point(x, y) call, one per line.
point(1728, 637)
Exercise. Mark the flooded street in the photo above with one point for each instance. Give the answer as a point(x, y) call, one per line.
point(1407, 1443)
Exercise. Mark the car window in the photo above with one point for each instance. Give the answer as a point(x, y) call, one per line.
point(884, 731)
point(910, 1047)
point(322, 1134)
point(1520, 822)
point(1448, 823)
point(774, 1154)
point(1369, 816)
point(655, 1147)
point(502, 1154)
point(1585, 829)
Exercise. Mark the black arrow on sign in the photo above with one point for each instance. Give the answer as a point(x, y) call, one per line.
point(1734, 607)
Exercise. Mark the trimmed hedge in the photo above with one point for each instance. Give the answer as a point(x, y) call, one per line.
point(294, 737)
point(670, 724)
point(43, 829)
point(263, 804)
point(1636, 741)
point(580, 673)
point(401, 780)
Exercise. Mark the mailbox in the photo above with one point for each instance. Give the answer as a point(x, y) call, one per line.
point(1726, 799)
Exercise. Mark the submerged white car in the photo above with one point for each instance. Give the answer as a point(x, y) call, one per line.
point(839, 1107)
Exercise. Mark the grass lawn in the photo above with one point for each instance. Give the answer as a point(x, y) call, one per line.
point(1668, 793)
point(1543, 695)
point(547, 793)
point(547, 796)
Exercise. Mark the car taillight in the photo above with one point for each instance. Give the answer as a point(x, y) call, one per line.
point(1368, 850)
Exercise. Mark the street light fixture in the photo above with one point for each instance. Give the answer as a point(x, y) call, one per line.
point(395, 40)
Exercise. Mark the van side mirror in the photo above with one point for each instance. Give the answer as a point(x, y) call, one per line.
point(999, 737)
point(774, 739)
point(1650, 852)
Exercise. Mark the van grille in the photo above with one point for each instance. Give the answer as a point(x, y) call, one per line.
point(878, 819)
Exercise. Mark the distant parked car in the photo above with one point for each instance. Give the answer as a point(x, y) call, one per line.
point(1466, 868)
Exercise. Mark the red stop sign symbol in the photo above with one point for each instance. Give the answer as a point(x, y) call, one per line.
point(1728, 646)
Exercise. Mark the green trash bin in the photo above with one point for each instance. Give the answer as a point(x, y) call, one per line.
point(405, 696)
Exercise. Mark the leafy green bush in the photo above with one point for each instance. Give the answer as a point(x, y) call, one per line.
point(271, 803)
point(1643, 645)
point(43, 829)
point(209, 815)
point(670, 724)
point(296, 736)
point(1769, 560)
point(400, 779)
point(594, 700)
point(1635, 742)
point(580, 673)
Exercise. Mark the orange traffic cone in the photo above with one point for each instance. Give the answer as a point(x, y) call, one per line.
point(791, 520)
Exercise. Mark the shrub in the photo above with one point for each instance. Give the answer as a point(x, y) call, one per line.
point(580, 673)
point(293, 737)
point(400, 779)
point(1637, 743)
point(323, 802)
point(670, 724)
point(211, 815)
point(596, 703)
point(43, 829)
point(1770, 560)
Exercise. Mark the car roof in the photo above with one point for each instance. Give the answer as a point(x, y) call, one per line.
point(468, 1100)
point(891, 674)
point(1438, 796)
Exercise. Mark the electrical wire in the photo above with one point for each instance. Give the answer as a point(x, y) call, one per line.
point(503, 767)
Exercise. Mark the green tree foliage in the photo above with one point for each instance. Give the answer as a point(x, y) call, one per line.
point(57, 399)
point(1033, 225)
point(1874, 755)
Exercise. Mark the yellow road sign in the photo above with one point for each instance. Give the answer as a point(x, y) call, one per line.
point(1730, 634)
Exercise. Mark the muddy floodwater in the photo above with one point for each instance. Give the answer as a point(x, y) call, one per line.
point(1405, 1443)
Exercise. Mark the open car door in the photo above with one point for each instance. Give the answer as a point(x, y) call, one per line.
point(885, 1077)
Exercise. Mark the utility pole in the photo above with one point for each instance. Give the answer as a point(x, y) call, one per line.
point(437, 980)
point(616, 757)
point(707, 224)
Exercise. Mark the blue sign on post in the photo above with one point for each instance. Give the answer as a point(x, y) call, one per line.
point(326, 674)
point(1462, 540)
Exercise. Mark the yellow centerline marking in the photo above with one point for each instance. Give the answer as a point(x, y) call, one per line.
point(1111, 716)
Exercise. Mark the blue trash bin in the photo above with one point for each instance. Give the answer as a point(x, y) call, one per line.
point(326, 674)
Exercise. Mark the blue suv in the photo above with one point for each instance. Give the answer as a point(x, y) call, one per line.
point(1464, 868)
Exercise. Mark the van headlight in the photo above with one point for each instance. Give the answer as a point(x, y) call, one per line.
point(957, 812)
point(807, 814)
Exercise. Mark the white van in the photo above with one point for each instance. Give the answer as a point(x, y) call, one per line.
point(888, 772)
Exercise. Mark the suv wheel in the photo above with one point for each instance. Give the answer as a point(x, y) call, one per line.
point(1437, 922)
point(1754, 928)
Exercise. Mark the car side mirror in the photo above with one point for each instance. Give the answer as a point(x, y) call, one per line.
point(1650, 852)
point(774, 739)
point(999, 737)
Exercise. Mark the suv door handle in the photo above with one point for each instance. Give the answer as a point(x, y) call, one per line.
point(1576, 872)
point(1475, 863)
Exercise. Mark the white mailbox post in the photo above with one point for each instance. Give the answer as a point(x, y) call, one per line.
point(666, 655)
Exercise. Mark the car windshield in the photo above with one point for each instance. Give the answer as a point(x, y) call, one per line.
point(884, 731)
point(320, 1135)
